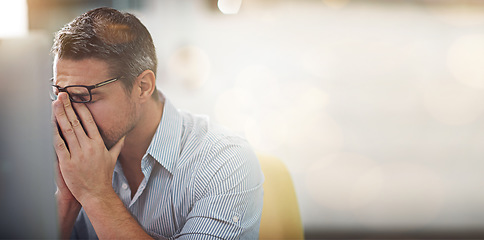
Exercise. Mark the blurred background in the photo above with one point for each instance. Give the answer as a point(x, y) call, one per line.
point(375, 106)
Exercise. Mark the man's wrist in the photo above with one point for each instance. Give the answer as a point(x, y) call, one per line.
point(69, 201)
point(90, 201)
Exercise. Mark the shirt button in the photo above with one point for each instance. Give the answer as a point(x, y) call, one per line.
point(124, 186)
point(235, 219)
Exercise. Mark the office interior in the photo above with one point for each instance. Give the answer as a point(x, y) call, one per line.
point(376, 107)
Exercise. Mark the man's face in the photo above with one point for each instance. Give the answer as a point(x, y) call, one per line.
point(113, 110)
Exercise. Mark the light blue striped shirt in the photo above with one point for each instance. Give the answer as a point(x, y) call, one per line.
point(201, 182)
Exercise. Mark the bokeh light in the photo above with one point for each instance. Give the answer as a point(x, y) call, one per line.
point(466, 60)
point(229, 6)
point(189, 65)
point(453, 103)
point(13, 18)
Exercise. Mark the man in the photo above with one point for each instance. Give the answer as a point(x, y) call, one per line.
point(129, 164)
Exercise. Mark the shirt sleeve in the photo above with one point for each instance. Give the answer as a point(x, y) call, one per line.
point(83, 228)
point(229, 195)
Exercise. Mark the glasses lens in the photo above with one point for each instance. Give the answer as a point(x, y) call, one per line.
point(79, 94)
point(53, 90)
point(53, 93)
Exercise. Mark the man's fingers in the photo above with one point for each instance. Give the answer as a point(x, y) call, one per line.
point(116, 149)
point(65, 126)
point(87, 120)
point(72, 117)
point(60, 146)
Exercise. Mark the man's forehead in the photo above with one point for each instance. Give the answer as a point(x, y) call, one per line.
point(84, 71)
point(85, 65)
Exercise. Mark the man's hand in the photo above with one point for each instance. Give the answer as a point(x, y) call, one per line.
point(86, 166)
point(63, 193)
point(85, 172)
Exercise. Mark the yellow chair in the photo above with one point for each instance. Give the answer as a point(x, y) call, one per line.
point(280, 214)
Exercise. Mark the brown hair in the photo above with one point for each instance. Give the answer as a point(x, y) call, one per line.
point(118, 38)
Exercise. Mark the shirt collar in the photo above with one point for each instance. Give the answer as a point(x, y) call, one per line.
point(165, 145)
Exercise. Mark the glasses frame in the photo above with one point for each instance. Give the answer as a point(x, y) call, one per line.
point(89, 88)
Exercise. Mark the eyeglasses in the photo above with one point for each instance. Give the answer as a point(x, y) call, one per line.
point(77, 93)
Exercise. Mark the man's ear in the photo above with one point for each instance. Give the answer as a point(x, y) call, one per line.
point(146, 84)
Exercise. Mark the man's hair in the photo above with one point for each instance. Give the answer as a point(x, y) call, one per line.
point(119, 39)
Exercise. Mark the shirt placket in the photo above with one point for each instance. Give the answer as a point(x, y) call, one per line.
point(121, 185)
point(146, 166)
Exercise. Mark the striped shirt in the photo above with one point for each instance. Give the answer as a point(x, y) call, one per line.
point(200, 182)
